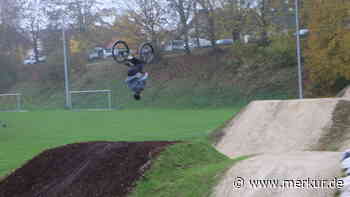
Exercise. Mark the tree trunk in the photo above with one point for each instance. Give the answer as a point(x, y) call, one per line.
point(198, 44)
point(187, 47)
point(236, 35)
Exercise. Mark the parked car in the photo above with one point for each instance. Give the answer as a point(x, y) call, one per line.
point(29, 61)
point(303, 32)
point(42, 59)
point(97, 53)
point(202, 43)
point(107, 53)
point(224, 42)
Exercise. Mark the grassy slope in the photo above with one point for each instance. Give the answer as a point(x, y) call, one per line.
point(186, 169)
point(177, 81)
point(29, 133)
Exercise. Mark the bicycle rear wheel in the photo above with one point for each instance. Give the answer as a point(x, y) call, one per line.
point(120, 51)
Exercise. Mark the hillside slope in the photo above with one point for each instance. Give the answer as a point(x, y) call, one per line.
point(204, 79)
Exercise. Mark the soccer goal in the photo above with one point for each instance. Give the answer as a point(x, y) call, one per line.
point(10, 102)
point(91, 100)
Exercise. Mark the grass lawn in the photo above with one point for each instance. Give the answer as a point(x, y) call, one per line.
point(29, 133)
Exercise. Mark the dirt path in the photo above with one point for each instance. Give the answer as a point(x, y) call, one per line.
point(294, 165)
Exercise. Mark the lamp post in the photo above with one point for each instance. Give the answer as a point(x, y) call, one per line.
point(300, 73)
point(66, 80)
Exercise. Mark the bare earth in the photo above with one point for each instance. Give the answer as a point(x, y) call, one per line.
point(294, 139)
point(279, 126)
point(295, 166)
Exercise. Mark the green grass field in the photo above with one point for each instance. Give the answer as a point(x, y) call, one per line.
point(29, 133)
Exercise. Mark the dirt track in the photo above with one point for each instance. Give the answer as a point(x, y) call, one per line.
point(277, 130)
point(94, 169)
point(282, 126)
point(296, 166)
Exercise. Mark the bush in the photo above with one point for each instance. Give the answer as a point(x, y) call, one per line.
point(78, 63)
point(55, 67)
point(8, 74)
point(281, 51)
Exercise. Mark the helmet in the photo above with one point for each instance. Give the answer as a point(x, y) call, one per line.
point(137, 96)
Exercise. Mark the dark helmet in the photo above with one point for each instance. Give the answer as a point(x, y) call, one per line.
point(137, 97)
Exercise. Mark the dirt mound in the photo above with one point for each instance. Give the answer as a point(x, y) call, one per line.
point(284, 126)
point(345, 92)
point(91, 169)
point(283, 171)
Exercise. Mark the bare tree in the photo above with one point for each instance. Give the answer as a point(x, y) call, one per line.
point(184, 10)
point(234, 16)
point(34, 21)
point(10, 12)
point(209, 10)
point(196, 22)
point(81, 14)
point(265, 15)
point(12, 42)
point(150, 15)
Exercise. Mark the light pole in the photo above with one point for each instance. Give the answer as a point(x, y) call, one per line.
point(66, 80)
point(300, 73)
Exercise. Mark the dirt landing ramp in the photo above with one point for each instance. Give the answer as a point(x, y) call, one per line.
point(283, 126)
point(292, 166)
point(94, 169)
point(345, 92)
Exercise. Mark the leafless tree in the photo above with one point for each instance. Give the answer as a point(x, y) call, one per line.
point(209, 7)
point(184, 10)
point(34, 21)
point(235, 16)
point(150, 15)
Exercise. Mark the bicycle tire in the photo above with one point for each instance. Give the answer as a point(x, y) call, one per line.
point(121, 56)
point(146, 52)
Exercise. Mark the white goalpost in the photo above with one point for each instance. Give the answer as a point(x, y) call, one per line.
point(91, 100)
point(10, 102)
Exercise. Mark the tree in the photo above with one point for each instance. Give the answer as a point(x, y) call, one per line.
point(129, 30)
point(328, 51)
point(34, 21)
point(233, 17)
point(12, 42)
point(183, 9)
point(150, 16)
point(209, 10)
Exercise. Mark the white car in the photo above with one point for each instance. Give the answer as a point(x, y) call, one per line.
point(29, 61)
point(42, 59)
point(224, 42)
point(107, 53)
point(303, 32)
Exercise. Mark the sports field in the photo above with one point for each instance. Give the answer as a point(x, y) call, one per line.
point(28, 133)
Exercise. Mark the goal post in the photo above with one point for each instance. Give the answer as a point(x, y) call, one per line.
point(91, 100)
point(11, 102)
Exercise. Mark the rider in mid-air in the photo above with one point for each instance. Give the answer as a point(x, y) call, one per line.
point(136, 79)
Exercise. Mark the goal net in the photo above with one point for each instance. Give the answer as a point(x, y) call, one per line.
point(10, 102)
point(91, 100)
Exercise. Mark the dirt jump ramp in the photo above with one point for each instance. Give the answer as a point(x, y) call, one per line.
point(292, 125)
point(292, 140)
point(296, 174)
point(91, 169)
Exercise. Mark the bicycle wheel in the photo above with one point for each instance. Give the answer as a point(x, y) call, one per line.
point(120, 51)
point(146, 52)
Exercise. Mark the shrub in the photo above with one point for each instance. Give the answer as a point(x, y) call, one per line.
point(282, 51)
